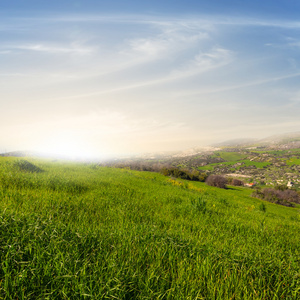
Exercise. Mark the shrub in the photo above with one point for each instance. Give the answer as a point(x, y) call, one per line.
point(184, 174)
point(285, 197)
point(237, 182)
point(291, 196)
point(217, 181)
point(281, 187)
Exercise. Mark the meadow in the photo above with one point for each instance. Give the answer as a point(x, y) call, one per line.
point(230, 156)
point(293, 161)
point(230, 164)
point(80, 231)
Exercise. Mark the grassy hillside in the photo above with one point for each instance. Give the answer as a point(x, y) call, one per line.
point(74, 231)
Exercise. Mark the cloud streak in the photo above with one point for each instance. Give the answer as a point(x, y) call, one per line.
point(51, 49)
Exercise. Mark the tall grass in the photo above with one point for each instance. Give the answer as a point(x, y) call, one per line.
point(78, 231)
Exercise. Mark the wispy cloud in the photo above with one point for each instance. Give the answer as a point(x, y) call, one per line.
point(201, 63)
point(218, 89)
point(204, 61)
point(74, 49)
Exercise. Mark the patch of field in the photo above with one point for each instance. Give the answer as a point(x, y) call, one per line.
point(273, 152)
point(79, 231)
point(209, 167)
point(293, 161)
point(212, 166)
point(257, 164)
point(277, 152)
point(245, 163)
point(231, 156)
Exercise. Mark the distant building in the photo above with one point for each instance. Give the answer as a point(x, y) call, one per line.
point(290, 184)
point(251, 184)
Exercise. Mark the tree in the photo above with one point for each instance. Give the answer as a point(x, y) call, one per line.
point(237, 182)
point(217, 181)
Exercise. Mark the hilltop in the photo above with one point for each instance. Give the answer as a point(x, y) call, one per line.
point(74, 230)
point(286, 140)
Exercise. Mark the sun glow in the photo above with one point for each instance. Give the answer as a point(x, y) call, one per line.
point(68, 145)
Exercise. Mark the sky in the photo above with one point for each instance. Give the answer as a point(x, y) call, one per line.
point(106, 78)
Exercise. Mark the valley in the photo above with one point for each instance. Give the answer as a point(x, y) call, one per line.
point(270, 162)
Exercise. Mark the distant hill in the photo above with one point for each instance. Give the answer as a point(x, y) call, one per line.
point(195, 151)
point(22, 154)
point(285, 141)
point(280, 141)
point(16, 154)
point(236, 142)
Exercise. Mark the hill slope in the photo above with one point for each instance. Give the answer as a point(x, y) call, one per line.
point(79, 231)
point(280, 141)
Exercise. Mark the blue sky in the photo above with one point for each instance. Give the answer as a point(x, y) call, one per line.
point(106, 78)
point(267, 8)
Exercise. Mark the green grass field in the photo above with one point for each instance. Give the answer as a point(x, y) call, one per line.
point(212, 166)
point(257, 164)
point(245, 163)
point(293, 161)
point(231, 156)
point(278, 152)
point(78, 231)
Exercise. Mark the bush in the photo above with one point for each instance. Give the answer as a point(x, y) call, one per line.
point(285, 197)
point(281, 187)
point(237, 182)
point(217, 181)
point(291, 196)
point(183, 174)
